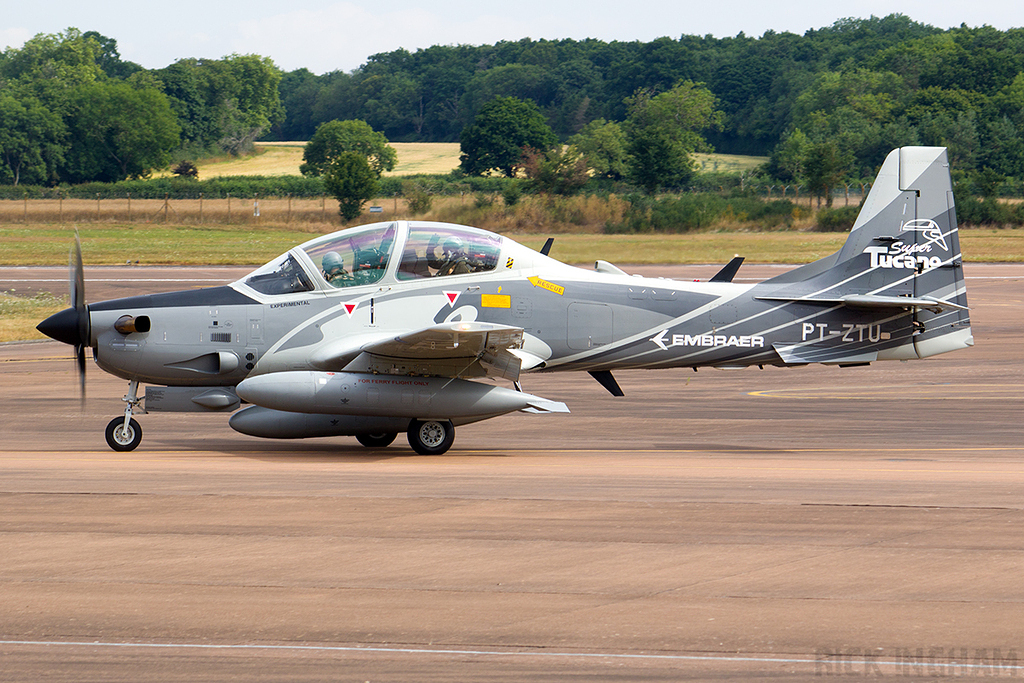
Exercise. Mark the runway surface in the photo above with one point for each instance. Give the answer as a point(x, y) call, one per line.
point(776, 523)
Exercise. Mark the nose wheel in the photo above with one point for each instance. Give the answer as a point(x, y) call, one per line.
point(125, 433)
point(122, 437)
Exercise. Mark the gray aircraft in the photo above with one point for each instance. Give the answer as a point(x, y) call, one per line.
point(406, 326)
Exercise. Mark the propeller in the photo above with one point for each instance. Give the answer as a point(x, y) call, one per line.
point(76, 285)
point(71, 325)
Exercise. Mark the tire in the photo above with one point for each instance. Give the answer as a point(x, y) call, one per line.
point(376, 440)
point(431, 437)
point(121, 440)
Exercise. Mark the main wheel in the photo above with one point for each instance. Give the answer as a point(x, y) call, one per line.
point(376, 440)
point(431, 437)
point(121, 439)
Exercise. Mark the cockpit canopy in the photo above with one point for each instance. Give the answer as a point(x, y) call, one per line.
point(365, 256)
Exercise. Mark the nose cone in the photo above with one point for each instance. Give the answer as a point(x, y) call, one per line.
point(65, 326)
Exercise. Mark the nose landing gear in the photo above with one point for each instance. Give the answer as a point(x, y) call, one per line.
point(125, 433)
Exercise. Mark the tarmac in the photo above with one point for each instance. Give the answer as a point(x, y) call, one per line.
point(780, 523)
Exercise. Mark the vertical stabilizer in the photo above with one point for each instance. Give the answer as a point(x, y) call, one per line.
point(904, 247)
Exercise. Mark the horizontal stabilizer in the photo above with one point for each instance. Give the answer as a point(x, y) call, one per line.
point(872, 301)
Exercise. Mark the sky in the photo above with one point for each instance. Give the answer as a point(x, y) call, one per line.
point(328, 36)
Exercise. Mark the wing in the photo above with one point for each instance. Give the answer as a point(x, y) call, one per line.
point(460, 349)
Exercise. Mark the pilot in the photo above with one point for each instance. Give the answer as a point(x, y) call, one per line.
point(334, 268)
point(454, 260)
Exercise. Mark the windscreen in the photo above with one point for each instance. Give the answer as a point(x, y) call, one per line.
point(283, 275)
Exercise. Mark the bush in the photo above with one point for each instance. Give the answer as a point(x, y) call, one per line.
point(973, 211)
point(837, 219)
point(417, 198)
point(511, 194)
point(700, 210)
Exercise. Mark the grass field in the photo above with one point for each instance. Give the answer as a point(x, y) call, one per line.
point(284, 158)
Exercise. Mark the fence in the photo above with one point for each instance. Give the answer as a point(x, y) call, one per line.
point(229, 210)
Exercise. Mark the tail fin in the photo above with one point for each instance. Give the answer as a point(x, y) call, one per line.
point(902, 253)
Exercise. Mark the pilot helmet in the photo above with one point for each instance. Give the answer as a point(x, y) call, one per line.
point(453, 245)
point(332, 263)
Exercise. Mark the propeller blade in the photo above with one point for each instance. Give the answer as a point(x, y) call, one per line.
point(76, 277)
point(80, 362)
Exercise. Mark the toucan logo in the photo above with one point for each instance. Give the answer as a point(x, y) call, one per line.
point(929, 228)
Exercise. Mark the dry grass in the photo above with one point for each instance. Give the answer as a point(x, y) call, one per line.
point(727, 163)
point(284, 158)
point(20, 315)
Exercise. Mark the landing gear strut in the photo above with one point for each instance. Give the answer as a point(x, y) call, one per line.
point(124, 433)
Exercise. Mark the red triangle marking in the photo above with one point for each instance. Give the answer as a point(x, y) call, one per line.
point(452, 298)
point(350, 308)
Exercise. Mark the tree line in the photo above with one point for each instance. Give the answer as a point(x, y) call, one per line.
point(826, 105)
point(866, 85)
point(72, 111)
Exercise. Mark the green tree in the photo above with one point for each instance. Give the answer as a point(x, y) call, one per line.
point(825, 167)
point(109, 59)
point(498, 135)
point(253, 103)
point(223, 103)
point(664, 130)
point(787, 160)
point(336, 138)
point(559, 170)
point(31, 137)
point(352, 182)
point(118, 132)
point(603, 144)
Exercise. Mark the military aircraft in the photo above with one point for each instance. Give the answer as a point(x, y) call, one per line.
point(406, 326)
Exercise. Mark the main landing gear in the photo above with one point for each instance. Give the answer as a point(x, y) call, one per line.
point(431, 437)
point(125, 433)
point(427, 437)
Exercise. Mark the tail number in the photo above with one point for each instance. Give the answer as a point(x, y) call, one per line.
point(850, 332)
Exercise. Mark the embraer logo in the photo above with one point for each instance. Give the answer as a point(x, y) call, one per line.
point(742, 341)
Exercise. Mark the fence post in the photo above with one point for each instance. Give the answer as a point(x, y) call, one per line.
point(256, 207)
point(167, 197)
point(289, 207)
point(26, 209)
point(129, 207)
point(97, 206)
point(323, 208)
point(60, 204)
point(200, 208)
point(229, 207)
